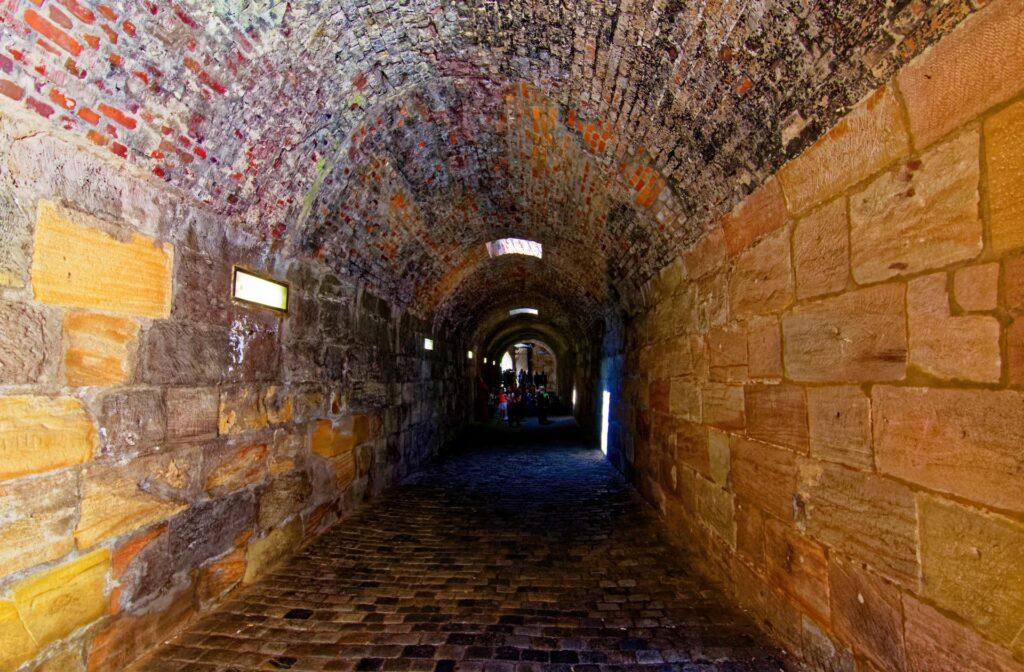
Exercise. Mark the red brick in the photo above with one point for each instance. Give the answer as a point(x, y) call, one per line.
point(52, 32)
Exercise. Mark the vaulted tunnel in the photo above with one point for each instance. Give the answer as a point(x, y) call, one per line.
point(781, 275)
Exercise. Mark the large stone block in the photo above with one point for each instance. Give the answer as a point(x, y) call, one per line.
point(859, 336)
point(762, 277)
point(203, 288)
point(76, 264)
point(777, 414)
point(972, 563)
point(958, 348)
point(55, 603)
point(227, 468)
point(29, 344)
point(760, 213)
point(937, 643)
point(242, 409)
point(210, 528)
point(39, 434)
point(970, 70)
point(714, 507)
point(764, 475)
point(865, 516)
point(16, 644)
point(341, 437)
point(798, 566)
point(132, 422)
point(37, 518)
point(750, 533)
point(192, 412)
point(867, 613)
point(718, 456)
point(822, 653)
point(921, 215)
point(684, 400)
point(722, 406)
point(98, 348)
point(839, 421)
point(253, 346)
point(866, 140)
point(764, 347)
point(821, 251)
point(727, 354)
point(1004, 136)
point(121, 641)
point(120, 498)
point(976, 288)
point(264, 553)
point(281, 498)
point(964, 442)
point(173, 353)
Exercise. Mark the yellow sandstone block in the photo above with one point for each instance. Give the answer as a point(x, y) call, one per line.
point(55, 603)
point(98, 347)
point(76, 264)
point(263, 553)
point(16, 644)
point(39, 434)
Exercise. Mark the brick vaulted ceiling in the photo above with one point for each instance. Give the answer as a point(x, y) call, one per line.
point(392, 138)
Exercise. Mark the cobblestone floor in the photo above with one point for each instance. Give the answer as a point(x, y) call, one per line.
point(525, 552)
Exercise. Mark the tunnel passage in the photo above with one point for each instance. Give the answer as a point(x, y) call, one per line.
point(777, 257)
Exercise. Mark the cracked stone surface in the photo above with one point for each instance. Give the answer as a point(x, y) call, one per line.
point(522, 551)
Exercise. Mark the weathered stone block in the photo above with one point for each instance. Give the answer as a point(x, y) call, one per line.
point(227, 468)
point(37, 518)
point(684, 400)
point(821, 251)
point(957, 348)
point(1015, 351)
point(750, 533)
point(714, 507)
point(123, 640)
point(972, 563)
point(16, 644)
point(220, 576)
point(334, 439)
point(56, 602)
point(1004, 135)
point(777, 414)
point(855, 337)
point(964, 442)
point(691, 445)
point(839, 421)
point(210, 528)
point(722, 406)
point(867, 613)
point(798, 566)
point(76, 264)
point(727, 354)
point(98, 348)
point(868, 138)
point(264, 553)
point(921, 215)
point(183, 354)
point(718, 456)
point(132, 422)
point(863, 515)
point(203, 288)
point(760, 213)
point(29, 344)
point(192, 412)
point(253, 346)
point(121, 498)
point(976, 288)
point(822, 653)
point(39, 434)
point(282, 497)
point(762, 277)
point(937, 643)
point(764, 475)
point(242, 409)
point(944, 87)
point(764, 347)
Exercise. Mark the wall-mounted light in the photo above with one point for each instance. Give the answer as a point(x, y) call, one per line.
point(469, 354)
point(258, 290)
point(606, 404)
point(428, 344)
point(523, 311)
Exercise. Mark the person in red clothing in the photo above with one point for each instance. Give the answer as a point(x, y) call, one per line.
point(502, 405)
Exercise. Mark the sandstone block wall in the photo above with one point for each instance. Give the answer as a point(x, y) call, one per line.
point(160, 445)
point(824, 395)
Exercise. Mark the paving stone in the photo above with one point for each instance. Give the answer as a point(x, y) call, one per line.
point(498, 558)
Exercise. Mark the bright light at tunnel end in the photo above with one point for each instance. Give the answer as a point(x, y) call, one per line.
point(523, 311)
point(428, 344)
point(606, 403)
point(496, 248)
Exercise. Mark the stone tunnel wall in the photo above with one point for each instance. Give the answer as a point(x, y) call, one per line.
point(160, 445)
point(825, 397)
